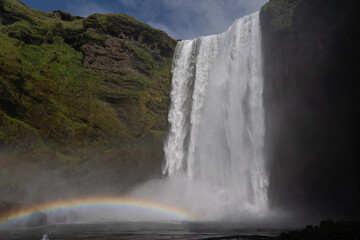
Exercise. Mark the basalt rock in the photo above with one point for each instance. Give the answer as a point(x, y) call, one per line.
point(311, 53)
point(326, 230)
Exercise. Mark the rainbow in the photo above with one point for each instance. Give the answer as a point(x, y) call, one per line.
point(94, 202)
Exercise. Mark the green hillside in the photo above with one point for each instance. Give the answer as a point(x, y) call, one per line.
point(80, 96)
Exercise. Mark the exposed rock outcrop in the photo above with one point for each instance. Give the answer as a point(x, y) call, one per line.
point(326, 230)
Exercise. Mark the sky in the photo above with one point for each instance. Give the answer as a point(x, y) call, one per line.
point(181, 19)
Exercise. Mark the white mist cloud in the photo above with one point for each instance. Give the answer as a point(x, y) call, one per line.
point(85, 8)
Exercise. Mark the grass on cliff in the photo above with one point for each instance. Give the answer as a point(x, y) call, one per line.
point(62, 96)
point(17, 135)
point(38, 19)
point(54, 114)
point(49, 89)
point(64, 102)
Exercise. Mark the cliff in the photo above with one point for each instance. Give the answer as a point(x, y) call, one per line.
point(311, 54)
point(83, 101)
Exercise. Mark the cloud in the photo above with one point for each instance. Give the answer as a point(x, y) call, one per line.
point(191, 18)
point(85, 8)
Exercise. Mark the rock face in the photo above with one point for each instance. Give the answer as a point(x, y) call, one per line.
point(326, 230)
point(83, 102)
point(312, 54)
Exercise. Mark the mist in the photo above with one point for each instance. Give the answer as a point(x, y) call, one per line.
point(49, 176)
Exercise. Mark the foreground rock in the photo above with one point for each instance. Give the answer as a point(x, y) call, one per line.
point(312, 55)
point(327, 230)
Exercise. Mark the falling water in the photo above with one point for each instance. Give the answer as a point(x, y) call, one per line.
point(216, 119)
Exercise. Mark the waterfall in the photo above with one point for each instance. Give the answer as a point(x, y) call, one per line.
point(216, 118)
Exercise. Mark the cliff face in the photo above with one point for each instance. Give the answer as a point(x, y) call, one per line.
point(311, 54)
point(84, 100)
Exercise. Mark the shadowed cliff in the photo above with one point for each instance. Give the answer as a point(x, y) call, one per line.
point(312, 54)
point(83, 102)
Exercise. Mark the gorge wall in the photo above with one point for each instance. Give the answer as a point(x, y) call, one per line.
point(83, 102)
point(311, 70)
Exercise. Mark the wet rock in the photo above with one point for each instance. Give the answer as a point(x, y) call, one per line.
point(328, 230)
point(311, 55)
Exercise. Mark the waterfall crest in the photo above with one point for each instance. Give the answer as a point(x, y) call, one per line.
point(216, 118)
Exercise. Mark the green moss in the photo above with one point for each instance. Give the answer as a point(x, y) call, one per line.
point(159, 102)
point(20, 11)
point(89, 34)
point(134, 78)
point(282, 12)
point(112, 23)
point(8, 52)
point(14, 121)
point(36, 27)
point(55, 71)
point(57, 62)
point(18, 135)
point(24, 31)
point(145, 57)
point(68, 92)
point(103, 117)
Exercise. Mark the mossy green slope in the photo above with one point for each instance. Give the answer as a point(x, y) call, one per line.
point(75, 92)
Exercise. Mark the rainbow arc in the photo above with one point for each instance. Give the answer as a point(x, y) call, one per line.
point(59, 205)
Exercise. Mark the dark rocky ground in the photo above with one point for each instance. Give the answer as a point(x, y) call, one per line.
point(328, 230)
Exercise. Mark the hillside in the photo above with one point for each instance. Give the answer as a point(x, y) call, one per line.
point(83, 100)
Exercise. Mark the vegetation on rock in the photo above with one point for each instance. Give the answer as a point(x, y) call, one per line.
point(326, 230)
point(78, 94)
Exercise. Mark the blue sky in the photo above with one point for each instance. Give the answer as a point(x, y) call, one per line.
point(181, 19)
